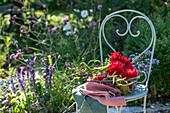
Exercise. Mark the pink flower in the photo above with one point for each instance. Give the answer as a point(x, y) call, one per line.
point(22, 69)
point(73, 32)
point(72, 2)
point(18, 55)
point(22, 27)
point(19, 50)
point(28, 35)
point(21, 30)
point(20, 35)
point(99, 7)
point(67, 64)
point(66, 19)
point(45, 11)
point(54, 29)
point(14, 16)
point(15, 42)
point(12, 56)
point(166, 3)
point(22, 8)
point(47, 24)
point(35, 58)
point(30, 22)
point(61, 40)
point(45, 59)
point(59, 56)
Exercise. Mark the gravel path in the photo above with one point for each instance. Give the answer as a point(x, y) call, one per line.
point(153, 108)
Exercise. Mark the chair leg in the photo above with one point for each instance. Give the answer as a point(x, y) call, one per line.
point(107, 109)
point(76, 107)
point(144, 104)
point(118, 108)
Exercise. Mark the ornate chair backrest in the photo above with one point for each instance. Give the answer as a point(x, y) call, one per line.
point(128, 29)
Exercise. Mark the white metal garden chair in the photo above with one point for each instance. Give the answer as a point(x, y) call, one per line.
point(141, 90)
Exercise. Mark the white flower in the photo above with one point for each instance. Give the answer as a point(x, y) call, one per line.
point(91, 10)
point(76, 10)
point(84, 13)
point(67, 26)
point(68, 33)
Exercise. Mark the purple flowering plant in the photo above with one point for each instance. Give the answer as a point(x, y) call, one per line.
point(142, 64)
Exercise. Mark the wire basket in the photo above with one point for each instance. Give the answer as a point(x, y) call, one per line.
point(125, 86)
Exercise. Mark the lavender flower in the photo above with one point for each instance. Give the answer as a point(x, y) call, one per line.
point(12, 83)
point(31, 63)
point(99, 7)
point(93, 23)
point(53, 68)
point(148, 52)
point(13, 22)
point(23, 81)
point(32, 78)
point(45, 76)
point(50, 76)
point(20, 81)
point(67, 13)
point(12, 56)
point(28, 78)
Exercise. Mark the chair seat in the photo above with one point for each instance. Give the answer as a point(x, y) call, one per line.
point(139, 92)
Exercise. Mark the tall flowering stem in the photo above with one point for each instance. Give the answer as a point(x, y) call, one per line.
point(12, 83)
point(29, 86)
point(32, 78)
point(50, 76)
point(20, 81)
point(46, 76)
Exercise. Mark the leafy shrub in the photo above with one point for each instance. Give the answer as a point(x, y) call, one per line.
point(159, 76)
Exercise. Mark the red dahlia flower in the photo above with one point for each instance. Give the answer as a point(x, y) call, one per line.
point(117, 67)
point(115, 56)
point(130, 73)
